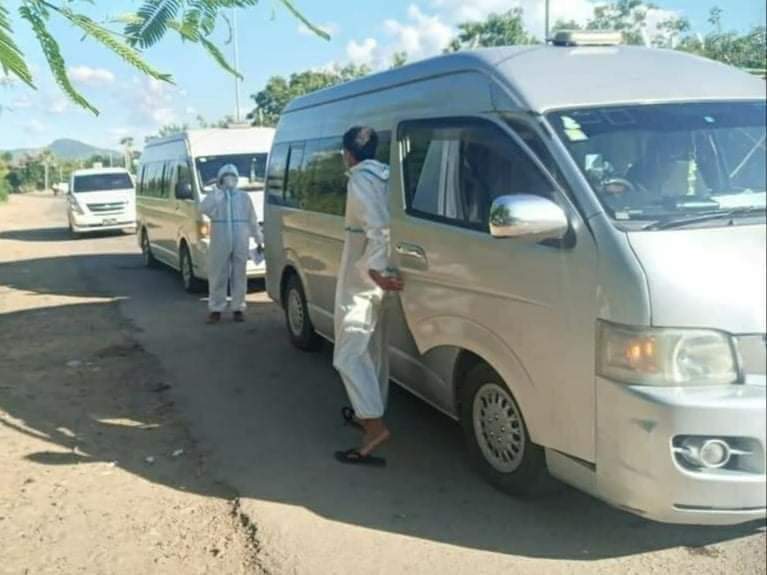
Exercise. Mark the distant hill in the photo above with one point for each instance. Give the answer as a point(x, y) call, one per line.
point(66, 149)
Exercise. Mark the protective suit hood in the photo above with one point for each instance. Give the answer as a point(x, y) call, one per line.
point(228, 170)
point(374, 168)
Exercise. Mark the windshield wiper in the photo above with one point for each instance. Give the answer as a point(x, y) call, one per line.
point(704, 217)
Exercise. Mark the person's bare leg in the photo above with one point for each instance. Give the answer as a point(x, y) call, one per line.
point(376, 433)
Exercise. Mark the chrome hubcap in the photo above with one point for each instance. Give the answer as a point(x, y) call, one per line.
point(295, 313)
point(498, 427)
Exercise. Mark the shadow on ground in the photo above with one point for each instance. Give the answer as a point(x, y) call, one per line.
point(53, 235)
point(281, 412)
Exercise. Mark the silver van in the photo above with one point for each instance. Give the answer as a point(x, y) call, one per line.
point(581, 232)
point(175, 174)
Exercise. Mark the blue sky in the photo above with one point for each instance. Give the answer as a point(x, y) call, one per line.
point(271, 42)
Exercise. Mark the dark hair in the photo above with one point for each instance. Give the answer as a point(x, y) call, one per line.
point(361, 143)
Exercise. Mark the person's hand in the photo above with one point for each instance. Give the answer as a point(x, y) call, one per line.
point(386, 283)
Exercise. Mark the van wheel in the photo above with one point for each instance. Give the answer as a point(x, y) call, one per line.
point(300, 328)
point(496, 435)
point(146, 251)
point(192, 284)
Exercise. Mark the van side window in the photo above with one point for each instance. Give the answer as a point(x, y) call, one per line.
point(171, 177)
point(184, 177)
point(141, 186)
point(325, 191)
point(455, 169)
point(275, 178)
point(295, 175)
point(151, 176)
point(383, 154)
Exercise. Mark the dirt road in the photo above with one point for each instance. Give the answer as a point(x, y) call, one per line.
point(104, 364)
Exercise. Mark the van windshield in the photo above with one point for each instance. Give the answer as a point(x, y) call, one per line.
point(664, 162)
point(252, 168)
point(102, 183)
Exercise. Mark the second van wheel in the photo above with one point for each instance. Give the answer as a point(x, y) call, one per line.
point(496, 435)
point(146, 251)
point(300, 328)
point(192, 284)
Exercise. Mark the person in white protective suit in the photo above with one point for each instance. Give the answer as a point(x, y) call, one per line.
point(364, 279)
point(233, 222)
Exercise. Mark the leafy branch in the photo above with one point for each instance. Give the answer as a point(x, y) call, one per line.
point(194, 20)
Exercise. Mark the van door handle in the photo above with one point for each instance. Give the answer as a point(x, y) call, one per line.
point(411, 251)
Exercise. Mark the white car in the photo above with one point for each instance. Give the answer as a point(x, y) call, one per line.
point(101, 199)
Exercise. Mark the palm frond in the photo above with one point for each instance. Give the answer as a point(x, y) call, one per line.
point(11, 57)
point(53, 55)
point(219, 57)
point(290, 6)
point(154, 17)
point(107, 39)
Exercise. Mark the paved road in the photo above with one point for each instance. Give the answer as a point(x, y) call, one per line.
point(267, 419)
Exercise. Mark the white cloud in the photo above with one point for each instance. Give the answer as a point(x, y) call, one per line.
point(57, 104)
point(330, 28)
point(21, 103)
point(362, 53)
point(427, 32)
point(152, 103)
point(421, 35)
point(91, 76)
point(34, 125)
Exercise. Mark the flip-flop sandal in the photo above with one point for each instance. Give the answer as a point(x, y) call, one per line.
point(354, 457)
point(349, 419)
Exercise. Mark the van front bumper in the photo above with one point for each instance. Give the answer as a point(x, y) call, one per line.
point(638, 469)
point(82, 223)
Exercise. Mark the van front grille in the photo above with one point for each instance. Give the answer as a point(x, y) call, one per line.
point(110, 208)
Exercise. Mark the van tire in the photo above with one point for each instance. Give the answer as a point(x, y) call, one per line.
point(297, 320)
point(146, 251)
point(512, 462)
point(192, 284)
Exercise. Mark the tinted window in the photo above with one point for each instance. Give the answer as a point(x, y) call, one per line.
point(326, 176)
point(252, 168)
point(454, 169)
point(151, 183)
point(294, 185)
point(171, 178)
point(383, 154)
point(278, 163)
point(184, 177)
point(102, 183)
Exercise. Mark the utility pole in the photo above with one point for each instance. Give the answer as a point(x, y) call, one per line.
point(236, 42)
point(548, 20)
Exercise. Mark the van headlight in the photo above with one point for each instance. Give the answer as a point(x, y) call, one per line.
point(76, 207)
point(662, 356)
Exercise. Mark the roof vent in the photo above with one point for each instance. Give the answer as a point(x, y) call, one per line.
point(566, 38)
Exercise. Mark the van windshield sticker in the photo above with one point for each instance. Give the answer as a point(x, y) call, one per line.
point(573, 130)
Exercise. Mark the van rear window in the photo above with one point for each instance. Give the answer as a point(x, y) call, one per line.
point(102, 183)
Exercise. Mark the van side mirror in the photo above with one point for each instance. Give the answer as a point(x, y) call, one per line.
point(529, 217)
point(184, 191)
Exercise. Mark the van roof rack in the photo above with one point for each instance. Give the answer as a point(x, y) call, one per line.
point(568, 38)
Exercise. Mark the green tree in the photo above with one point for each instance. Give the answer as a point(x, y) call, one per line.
point(399, 59)
point(5, 168)
point(505, 29)
point(126, 36)
point(742, 50)
point(279, 91)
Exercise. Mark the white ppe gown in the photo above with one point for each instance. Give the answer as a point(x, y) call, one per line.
point(361, 346)
point(233, 222)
